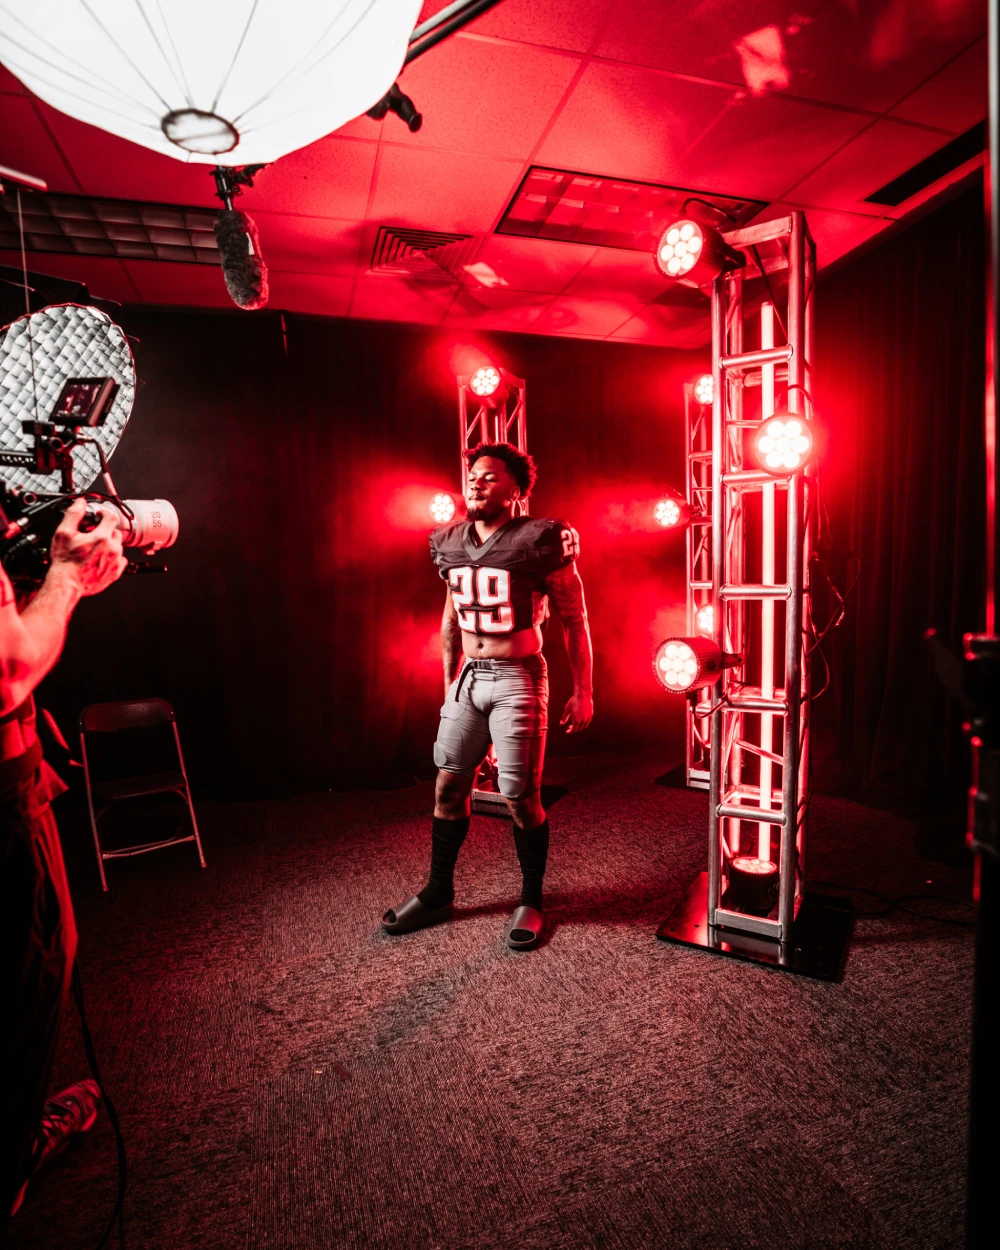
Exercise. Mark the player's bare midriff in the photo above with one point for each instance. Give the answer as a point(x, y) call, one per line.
point(512, 647)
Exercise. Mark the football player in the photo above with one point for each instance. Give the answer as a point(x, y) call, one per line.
point(501, 571)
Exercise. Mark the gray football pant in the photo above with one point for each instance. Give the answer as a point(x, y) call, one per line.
point(505, 702)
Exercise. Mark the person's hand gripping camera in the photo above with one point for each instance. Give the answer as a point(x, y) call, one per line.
point(90, 555)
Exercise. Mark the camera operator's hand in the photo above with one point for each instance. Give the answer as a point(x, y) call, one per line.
point(93, 558)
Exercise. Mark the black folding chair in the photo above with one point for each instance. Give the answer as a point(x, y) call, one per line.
point(119, 718)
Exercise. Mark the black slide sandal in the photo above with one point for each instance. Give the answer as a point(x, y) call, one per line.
point(413, 915)
point(525, 929)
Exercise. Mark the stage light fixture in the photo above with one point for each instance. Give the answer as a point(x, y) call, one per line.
point(442, 508)
point(704, 389)
point(685, 664)
point(694, 254)
point(753, 884)
point(705, 620)
point(484, 381)
point(487, 386)
point(783, 443)
point(672, 512)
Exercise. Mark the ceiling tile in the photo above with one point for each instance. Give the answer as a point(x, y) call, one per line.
point(194, 285)
point(955, 98)
point(310, 293)
point(438, 191)
point(874, 158)
point(761, 145)
point(698, 38)
point(568, 314)
point(309, 244)
point(385, 297)
point(114, 167)
point(329, 178)
point(614, 272)
point(549, 23)
point(104, 276)
point(496, 310)
point(465, 91)
point(25, 145)
point(835, 234)
point(663, 324)
point(527, 264)
point(862, 55)
point(630, 123)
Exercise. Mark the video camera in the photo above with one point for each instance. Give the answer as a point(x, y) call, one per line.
point(29, 518)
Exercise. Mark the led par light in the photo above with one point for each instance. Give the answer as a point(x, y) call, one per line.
point(694, 254)
point(685, 664)
point(783, 443)
point(672, 512)
point(442, 508)
point(753, 884)
point(704, 390)
point(704, 620)
point(487, 386)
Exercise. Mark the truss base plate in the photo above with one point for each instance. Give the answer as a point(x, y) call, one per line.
point(817, 948)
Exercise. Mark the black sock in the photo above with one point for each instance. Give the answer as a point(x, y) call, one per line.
point(447, 837)
point(532, 852)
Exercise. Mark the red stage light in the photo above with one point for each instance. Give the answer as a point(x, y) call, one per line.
point(484, 381)
point(783, 443)
point(705, 620)
point(704, 389)
point(672, 512)
point(442, 508)
point(684, 664)
point(693, 254)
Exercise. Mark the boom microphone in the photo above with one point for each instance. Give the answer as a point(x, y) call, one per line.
point(242, 264)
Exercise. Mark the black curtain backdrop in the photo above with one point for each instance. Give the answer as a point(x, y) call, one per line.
point(296, 632)
point(901, 376)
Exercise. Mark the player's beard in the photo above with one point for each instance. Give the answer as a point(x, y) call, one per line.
point(483, 510)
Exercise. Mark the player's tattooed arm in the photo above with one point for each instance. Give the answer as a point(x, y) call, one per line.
point(451, 642)
point(566, 592)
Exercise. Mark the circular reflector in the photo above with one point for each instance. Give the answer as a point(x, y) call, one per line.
point(66, 341)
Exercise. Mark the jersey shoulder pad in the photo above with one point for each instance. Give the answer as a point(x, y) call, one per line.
point(556, 543)
point(446, 542)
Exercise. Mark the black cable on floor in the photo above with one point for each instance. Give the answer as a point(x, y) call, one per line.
point(897, 904)
point(118, 1214)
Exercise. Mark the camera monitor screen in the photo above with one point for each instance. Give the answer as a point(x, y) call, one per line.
point(84, 401)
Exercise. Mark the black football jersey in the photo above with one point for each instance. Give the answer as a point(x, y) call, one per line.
point(498, 587)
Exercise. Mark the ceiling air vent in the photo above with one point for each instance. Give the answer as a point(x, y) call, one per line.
point(936, 166)
point(432, 254)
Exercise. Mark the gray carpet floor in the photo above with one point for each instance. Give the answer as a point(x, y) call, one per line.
point(289, 1078)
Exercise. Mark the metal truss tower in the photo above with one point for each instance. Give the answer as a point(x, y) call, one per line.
point(488, 421)
point(750, 899)
point(698, 539)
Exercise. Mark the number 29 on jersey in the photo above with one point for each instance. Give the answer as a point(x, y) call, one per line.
point(482, 600)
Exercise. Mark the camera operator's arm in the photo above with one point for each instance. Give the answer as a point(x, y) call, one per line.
point(80, 564)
